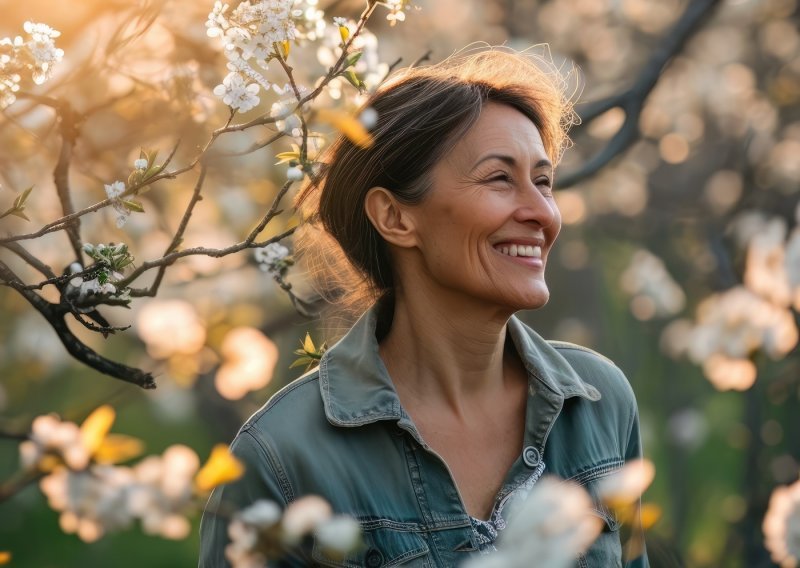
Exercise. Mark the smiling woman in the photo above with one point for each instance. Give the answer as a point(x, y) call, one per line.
point(439, 407)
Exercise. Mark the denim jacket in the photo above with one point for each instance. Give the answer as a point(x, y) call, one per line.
point(340, 432)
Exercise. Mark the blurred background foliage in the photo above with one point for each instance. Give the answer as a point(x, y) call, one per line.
point(716, 156)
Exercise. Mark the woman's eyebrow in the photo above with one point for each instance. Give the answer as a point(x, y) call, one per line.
point(511, 161)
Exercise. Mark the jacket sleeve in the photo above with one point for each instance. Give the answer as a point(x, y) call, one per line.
point(633, 452)
point(260, 481)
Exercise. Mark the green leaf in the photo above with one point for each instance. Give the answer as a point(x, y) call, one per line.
point(133, 206)
point(352, 59)
point(301, 361)
point(352, 78)
point(18, 213)
point(135, 178)
point(19, 202)
point(151, 171)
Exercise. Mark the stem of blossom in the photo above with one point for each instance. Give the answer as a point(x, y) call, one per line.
point(18, 483)
point(178, 237)
point(257, 146)
point(60, 224)
point(632, 100)
point(214, 253)
point(54, 314)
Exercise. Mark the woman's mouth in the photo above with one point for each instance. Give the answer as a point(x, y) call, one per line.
point(527, 251)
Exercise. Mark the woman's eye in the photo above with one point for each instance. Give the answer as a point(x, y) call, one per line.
point(502, 177)
point(545, 183)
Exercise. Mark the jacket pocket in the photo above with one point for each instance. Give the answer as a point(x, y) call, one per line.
point(382, 548)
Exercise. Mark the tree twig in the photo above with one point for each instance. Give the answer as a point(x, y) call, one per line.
point(632, 100)
point(54, 314)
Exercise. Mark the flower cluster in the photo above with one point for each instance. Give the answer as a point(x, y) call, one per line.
point(731, 326)
point(249, 34)
point(653, 291)
point(94, 497)
point(259, 531)
point(52, 442)
point(553, 525)
point(110, 261)
point(782, 526)
point(36, 53)
point(273, 258)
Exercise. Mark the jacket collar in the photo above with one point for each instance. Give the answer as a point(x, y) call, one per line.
point(356, 388)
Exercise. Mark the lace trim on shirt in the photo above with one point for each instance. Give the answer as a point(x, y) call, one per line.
point(486, 532)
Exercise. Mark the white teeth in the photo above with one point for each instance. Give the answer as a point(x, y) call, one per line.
point(521, 250)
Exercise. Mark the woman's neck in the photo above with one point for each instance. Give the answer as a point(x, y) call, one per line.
point(446, 356)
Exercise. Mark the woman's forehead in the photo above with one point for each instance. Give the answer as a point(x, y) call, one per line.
point(500, 131)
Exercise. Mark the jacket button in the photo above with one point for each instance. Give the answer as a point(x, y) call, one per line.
point(374, 558)
point(531, 457)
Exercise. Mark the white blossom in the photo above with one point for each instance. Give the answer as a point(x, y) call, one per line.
point(294, 174)
point(91, 502)
point(113, 192)
point(271, 256)
point(368, 118)
point(782, 526)
point(303, 517)
point(43, 50)
point(237, 94)
point(550, 528)
point(140, 164)
point(338, 535)
point(654, 292)
point(244, 531)
point(51, 436)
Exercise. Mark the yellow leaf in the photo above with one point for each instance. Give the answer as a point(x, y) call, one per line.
point(284, 157)
point(344, 33)
point(117, 448)
point(347, 125)
point(285, 45)
point(650, 515)
point(5, 557)
point(308, 344)
point(222, 467)
point(96, 426)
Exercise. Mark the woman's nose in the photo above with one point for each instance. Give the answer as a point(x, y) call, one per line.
point(534, 207)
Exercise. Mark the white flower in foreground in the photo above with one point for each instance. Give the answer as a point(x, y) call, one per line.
point(237, 94)
point(368, 118)
point(551, 527)
point(49, 435)
point(339, 535)
point(91, 502)
point(303, 517)
point(625, 486)
point(163, 490)
point(246, 531)
point(782, 526)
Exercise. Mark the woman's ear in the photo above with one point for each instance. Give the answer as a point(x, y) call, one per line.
point(390, 218)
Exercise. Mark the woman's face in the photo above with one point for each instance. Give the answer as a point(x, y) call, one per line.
point(486, 227)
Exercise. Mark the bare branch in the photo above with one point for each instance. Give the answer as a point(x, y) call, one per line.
point(18, 249)
point(54, 314)
point(178, 237)
point(632, 100)
point(70, 122)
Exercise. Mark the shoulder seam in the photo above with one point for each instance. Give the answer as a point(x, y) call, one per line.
point(565, 345)
point(274, 463)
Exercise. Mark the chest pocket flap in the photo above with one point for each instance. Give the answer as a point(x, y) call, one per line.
point(382, 547)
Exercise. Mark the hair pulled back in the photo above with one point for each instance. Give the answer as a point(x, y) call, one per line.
point(422, 112)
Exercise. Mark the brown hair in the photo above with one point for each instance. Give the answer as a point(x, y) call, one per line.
point(422, 112)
